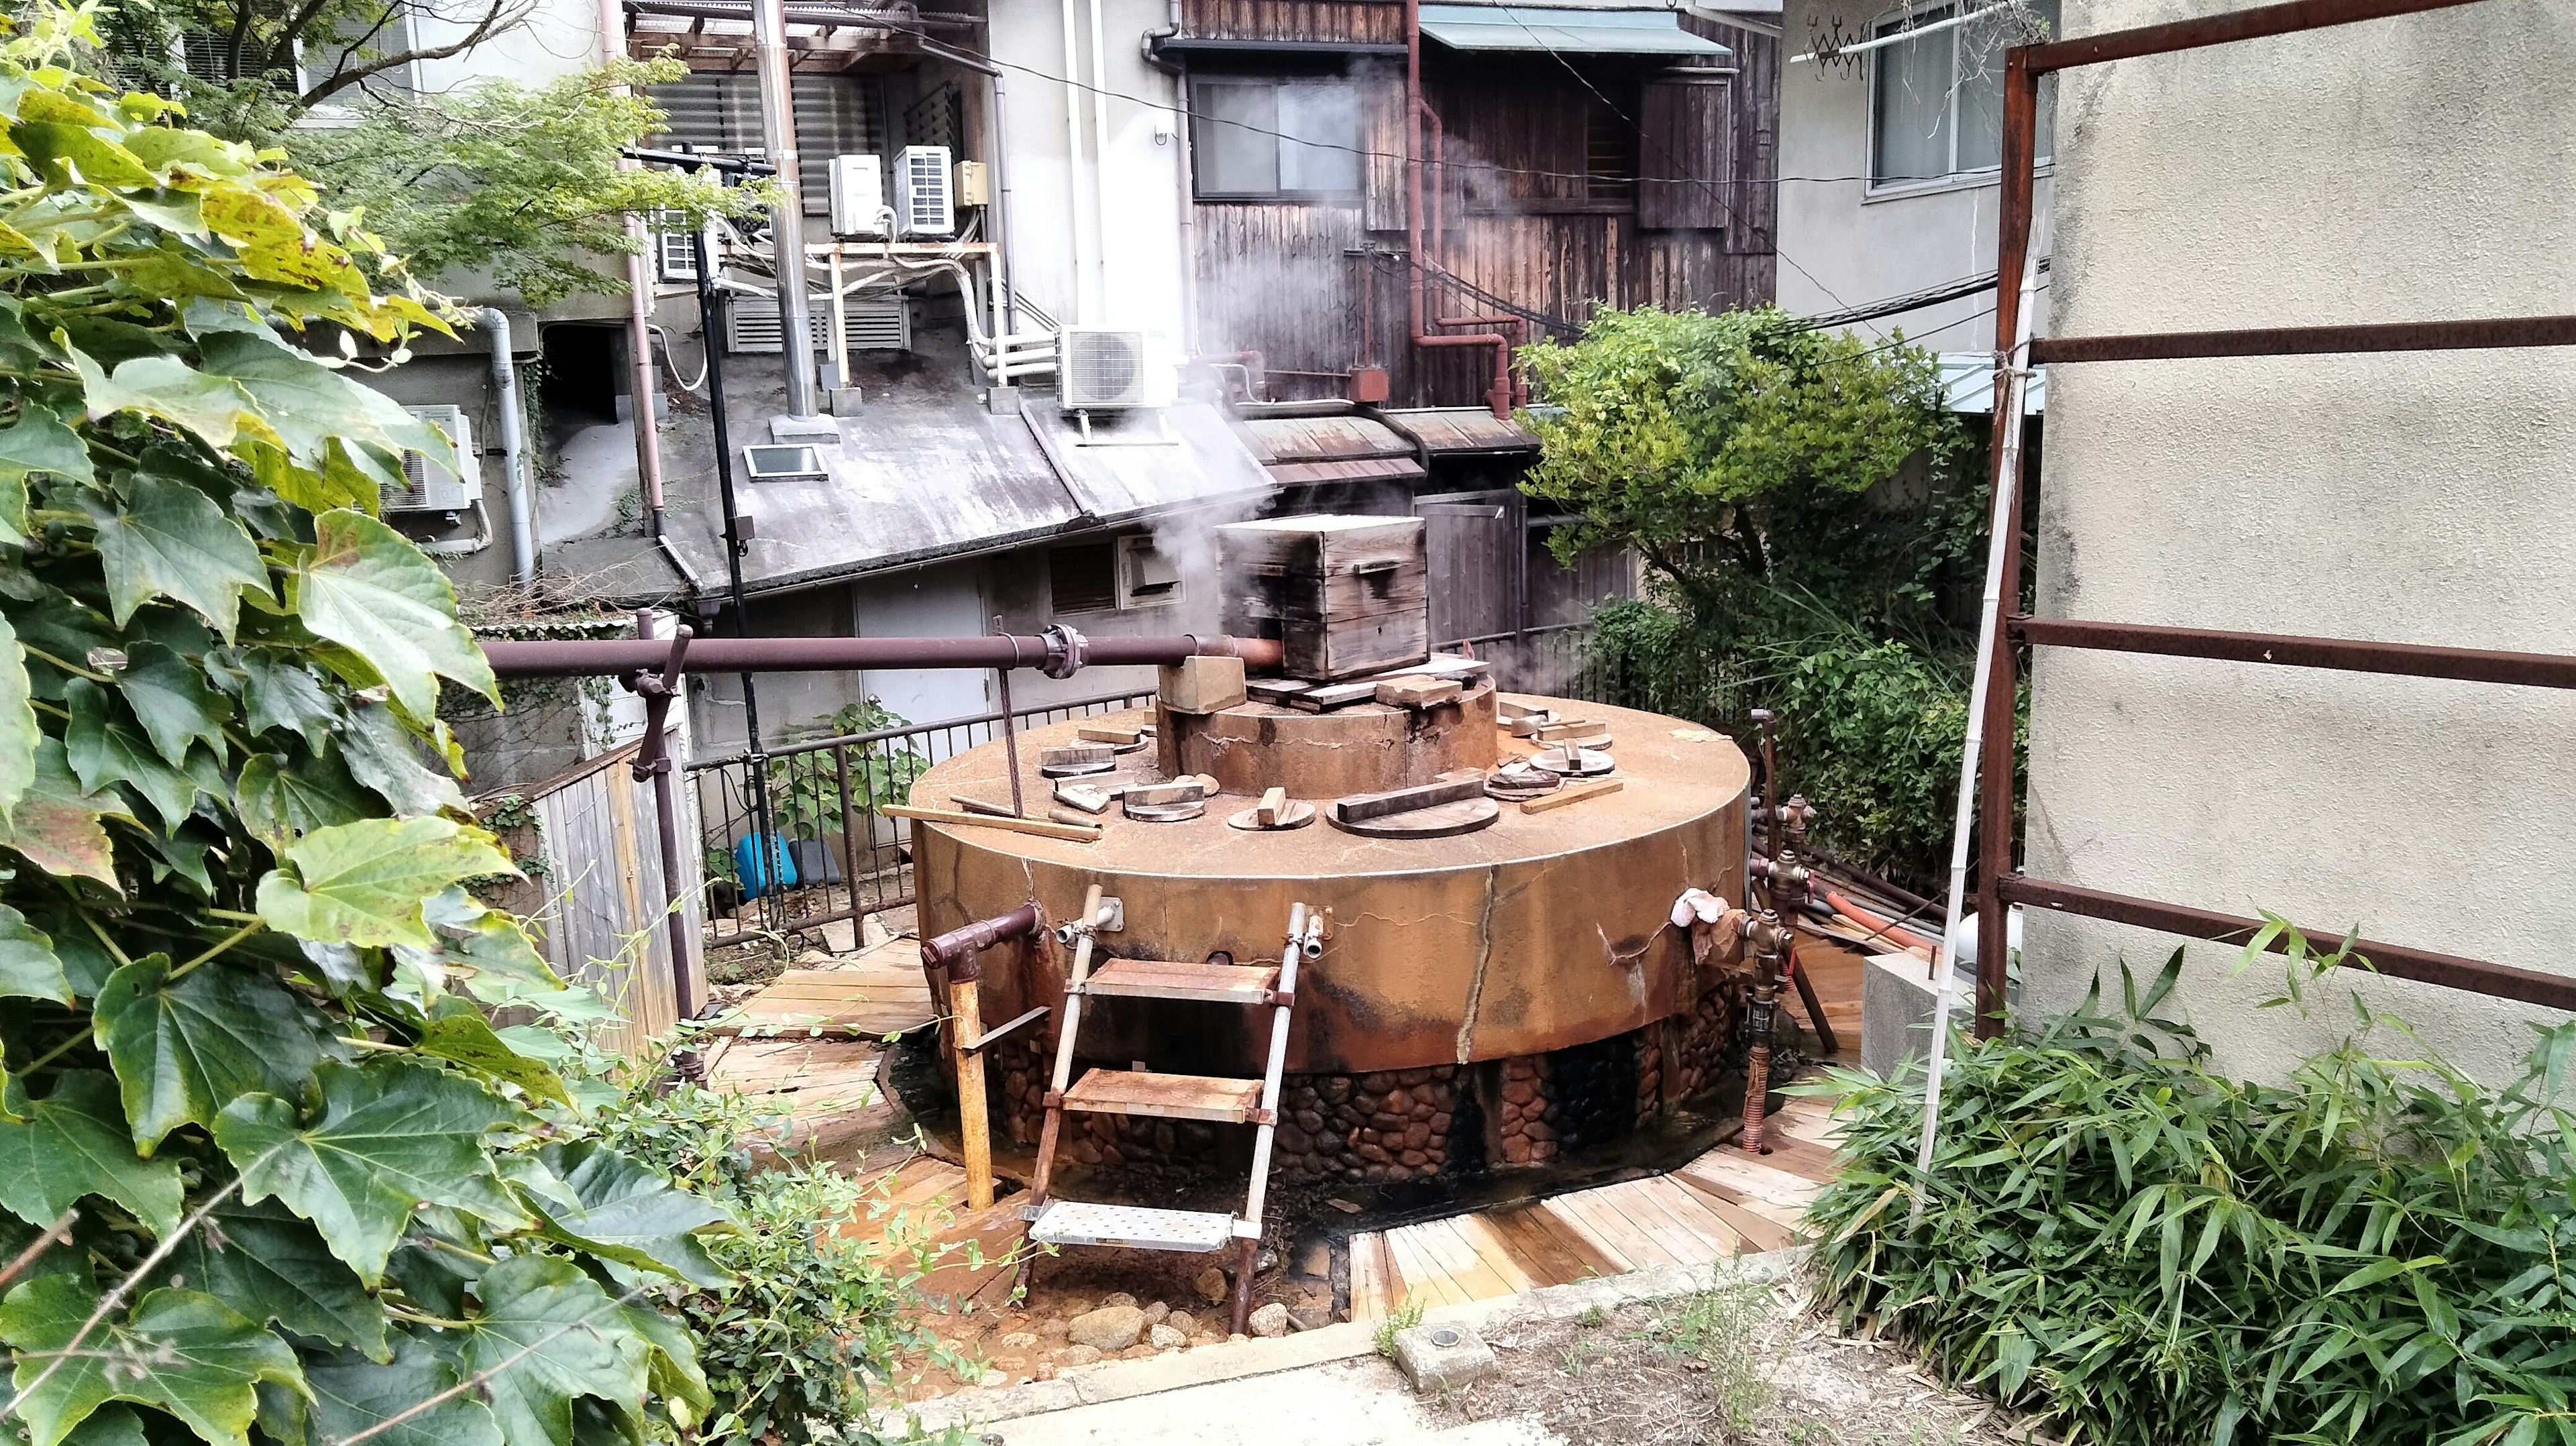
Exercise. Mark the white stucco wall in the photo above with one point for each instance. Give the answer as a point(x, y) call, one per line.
point(1138, 285)
point(1843, 245)
point(2410, 169)
point(558, 38)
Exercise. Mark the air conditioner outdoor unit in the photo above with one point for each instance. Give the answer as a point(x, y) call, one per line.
point(924, 193)
point(675, 255)
point(751, 324)
point(858, 195)
point(1100, 370)
point(427, 487)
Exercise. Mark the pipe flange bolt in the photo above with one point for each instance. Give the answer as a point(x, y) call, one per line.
point(1067, 651)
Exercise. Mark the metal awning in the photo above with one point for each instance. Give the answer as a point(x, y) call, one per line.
point(1578, 32)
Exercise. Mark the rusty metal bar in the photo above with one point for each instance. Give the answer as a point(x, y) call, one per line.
point(2496, 981)
point(2477, 334)
point(2251, 24)
point(2411, 660)
point(955, 950)
point(575, 658)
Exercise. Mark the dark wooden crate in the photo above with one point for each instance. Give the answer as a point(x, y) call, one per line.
point(1343, 595)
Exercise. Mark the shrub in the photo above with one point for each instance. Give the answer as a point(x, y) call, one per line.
point(2382, 1251)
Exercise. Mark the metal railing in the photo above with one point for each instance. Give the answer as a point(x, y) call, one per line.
point(822, 801)
point(1556, 660)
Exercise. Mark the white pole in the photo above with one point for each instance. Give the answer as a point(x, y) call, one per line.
point(2007, 514)
point(787, 218)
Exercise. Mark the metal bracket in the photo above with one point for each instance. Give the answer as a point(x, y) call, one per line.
point(1071, 932)
point(978, 1044)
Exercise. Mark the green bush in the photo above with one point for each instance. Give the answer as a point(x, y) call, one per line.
point(813, 1317)
point(2382, 1251)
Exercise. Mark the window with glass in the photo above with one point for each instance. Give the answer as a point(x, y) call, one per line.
point(1936, 99)
point(1256, 139)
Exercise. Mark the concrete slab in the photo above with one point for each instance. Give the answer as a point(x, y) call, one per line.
point(1896, 1004)
point(1346, 1403)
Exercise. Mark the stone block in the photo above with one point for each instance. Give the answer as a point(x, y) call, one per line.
point(1896, 1006)
point(1443, 1357)
point(1203, 685)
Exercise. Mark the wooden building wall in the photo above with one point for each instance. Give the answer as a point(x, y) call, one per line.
point(1296, 281)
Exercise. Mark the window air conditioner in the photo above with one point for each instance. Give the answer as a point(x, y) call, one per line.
point(751, 324)
point(924, 193)
point(858, 195)
point(427, 487)
point(1099, 369)
point(675, 255)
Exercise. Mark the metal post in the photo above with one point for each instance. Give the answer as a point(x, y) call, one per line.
point(653, 761)
point(787, 218)
point(712, 301)
point(1010, 733)
point(1995, 810)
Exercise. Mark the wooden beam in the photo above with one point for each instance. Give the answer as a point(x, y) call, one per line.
point(1069, 832)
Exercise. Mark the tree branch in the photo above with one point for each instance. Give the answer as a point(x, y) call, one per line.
point(501, 15)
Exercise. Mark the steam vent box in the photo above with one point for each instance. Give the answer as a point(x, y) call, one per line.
point(1343, 595)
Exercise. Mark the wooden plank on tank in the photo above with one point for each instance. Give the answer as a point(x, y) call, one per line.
point(1165, 1096)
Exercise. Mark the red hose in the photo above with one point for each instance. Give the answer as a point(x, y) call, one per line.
point(1886, 927)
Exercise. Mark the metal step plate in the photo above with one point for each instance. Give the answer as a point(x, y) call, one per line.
point(1131, 1227)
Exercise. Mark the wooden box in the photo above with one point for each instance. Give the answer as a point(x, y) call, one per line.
point(1343, 595)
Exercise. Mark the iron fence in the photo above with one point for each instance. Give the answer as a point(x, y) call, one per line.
point(833, 858)
point(1556, 661)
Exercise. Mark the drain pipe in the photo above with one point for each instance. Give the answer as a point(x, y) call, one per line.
point(1180, 74)
point(1499, 397)
point(787, 218)
point(1099, 162)
point(639, 312)
point(1082, 309)
point(523, 512)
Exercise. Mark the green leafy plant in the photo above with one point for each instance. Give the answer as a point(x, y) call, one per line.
point(2147, 1252)
point(805, 788)
point(1728, 1335)
point(263, 1159)
point(814, 1314)
point(1405, 1316)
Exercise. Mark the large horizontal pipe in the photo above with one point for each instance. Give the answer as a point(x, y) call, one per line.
point(955, 950)
point(2411, 660)
point(613, 656)
point(2496, 981)
point(2476, 334)
point(2252, 24)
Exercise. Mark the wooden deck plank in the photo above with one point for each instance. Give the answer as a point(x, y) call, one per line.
point(1423, 1279)
point(1634, 1248)
point(1389, 1281)
point(1165, 1096)
point(1688, 1211)
point(1759, 1232)
point(1540, 1239)
point(1638, 1203)
point(1368, 1297)
point(1517, 1273)
point(1467, 1267)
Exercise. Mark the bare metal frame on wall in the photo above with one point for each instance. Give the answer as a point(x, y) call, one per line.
point(2002, 886)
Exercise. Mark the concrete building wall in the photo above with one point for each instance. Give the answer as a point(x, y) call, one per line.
point(2407, 169)
point(558, 38)
point(1845, 243)
point(1134, 280)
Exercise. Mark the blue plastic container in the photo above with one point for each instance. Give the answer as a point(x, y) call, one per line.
point(762, 863)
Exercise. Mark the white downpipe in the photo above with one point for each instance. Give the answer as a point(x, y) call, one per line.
point(2007, 515)
point(1082, 303)
point(787, 218)
point(1099, 165)
point(639, 308)
point(514, 471)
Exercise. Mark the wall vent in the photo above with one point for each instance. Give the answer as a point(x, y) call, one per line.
point(428, 486)
point(751, 325)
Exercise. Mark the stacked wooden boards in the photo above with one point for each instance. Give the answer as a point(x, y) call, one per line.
point(1343, 595)
point(1722, 1203)
point(879, 992)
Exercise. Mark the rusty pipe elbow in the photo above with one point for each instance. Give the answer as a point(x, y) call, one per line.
point(955, 950)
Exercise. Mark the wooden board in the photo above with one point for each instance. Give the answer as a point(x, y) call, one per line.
point(805, 1076)
point(1415, 691)
point(1295, 815)
point(1165, 1096)
point(877, 993)
point(1362, 806)
point(1446, 820)
point(1072, 832)
point(1181, 979)
point(1572, 793)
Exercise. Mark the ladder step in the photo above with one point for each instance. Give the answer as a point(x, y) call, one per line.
point(1165, 1096)
point(1131, 1227)
point(1177, 979)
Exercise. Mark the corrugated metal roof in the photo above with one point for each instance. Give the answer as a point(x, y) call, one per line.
point(1324, 439)
point(1366, 469)
point(1462, 429)
point(1582, 32)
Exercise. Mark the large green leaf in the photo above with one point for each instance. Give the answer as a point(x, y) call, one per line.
point(19, 734)
point(213, 407)
point(184, 1048)
point(383, 755)
point(56, 824)
point(616, 1208)
point(264, 1262)
point(182, 1351)
point(362, 883)
point(367, 588)
point(172, 700)
point(167, 539)
point(106, 749)
point(545, 1335)
point(352, 1395)
point(458, 1032)
point(278, 691)
point(389, 1136)
point(37, 442)
point(73, 1143)
point(282, 799)
point(29, 968)
point(675, 1374)
point(308, 404)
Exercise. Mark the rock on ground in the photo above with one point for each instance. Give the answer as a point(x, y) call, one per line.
point(1270, 1320)
point(1112, 1327)
point(1210, 1285)
point(1164, 1337)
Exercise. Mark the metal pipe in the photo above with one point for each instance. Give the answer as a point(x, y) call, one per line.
point(639, 311)
point(1099, 161)
point(1499, 397)
point(2495, 981)
point(1073, 164)
point(514, 482)
point(2254, 24)
point(2347, 655)
point(575, 658)
point(787, 218)
point(2473, 334)
point(955, 950)
point(997, 152)
point(653, 761)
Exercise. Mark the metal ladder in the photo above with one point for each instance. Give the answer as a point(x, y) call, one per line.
point(1169, 1096)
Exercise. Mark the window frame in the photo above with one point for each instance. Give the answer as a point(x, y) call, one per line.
point(1956, 177)
point(1280, 195)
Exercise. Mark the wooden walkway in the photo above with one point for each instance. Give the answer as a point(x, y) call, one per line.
point(1723, 1203)
point(807, 1077)
point(877, 993)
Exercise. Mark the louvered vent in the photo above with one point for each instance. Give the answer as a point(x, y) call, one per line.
point(751, 325)
point(429, 487)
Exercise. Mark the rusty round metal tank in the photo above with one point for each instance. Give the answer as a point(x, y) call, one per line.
point(1542, 931)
